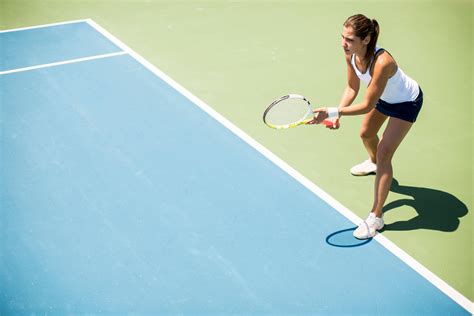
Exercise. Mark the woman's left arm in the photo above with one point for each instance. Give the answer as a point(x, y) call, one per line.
point(383, 69)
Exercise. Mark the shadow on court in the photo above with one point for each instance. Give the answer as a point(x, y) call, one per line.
point(437, 210)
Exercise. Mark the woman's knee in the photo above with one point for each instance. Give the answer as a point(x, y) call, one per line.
point(367, 133)
point(371, 125)
point(384, 153)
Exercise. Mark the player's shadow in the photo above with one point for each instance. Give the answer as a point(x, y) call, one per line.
point(437, 210)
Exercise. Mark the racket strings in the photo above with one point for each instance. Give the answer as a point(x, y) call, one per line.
point(288, 111)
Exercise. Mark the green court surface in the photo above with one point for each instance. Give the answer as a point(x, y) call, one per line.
point(239, 56)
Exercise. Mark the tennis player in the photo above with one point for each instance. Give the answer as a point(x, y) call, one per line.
point(390, 94)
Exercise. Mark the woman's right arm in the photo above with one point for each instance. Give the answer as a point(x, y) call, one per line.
point(349, 95)
point(353, 84)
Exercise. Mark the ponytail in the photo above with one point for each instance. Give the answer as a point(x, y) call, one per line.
point(373, 39)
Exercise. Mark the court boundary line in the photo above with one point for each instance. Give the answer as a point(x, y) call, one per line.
point(43, 25)
point(65, 62)
point(444, 287)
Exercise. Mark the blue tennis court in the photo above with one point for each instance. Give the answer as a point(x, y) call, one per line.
point(119, 194)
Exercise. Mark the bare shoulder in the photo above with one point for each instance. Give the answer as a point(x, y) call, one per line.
point(386, 63)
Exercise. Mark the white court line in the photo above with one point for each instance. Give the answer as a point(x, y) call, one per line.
point(41, 26)
point(71, 61)
point(397, 251)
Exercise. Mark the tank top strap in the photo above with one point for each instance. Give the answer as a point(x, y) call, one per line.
point(378, 50)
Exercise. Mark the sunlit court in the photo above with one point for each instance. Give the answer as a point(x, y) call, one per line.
point(128, 187)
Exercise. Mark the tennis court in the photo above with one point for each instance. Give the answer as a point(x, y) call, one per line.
point(122, 192)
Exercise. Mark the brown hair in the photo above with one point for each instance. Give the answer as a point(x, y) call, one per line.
point(364, 26)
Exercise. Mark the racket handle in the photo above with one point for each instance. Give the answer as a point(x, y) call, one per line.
point(328, 123)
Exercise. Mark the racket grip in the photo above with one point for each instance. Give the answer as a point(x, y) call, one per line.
point(328, 123)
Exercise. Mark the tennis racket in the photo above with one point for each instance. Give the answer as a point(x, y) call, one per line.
point(289, 111)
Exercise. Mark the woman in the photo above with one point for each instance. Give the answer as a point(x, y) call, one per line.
point(390, 93)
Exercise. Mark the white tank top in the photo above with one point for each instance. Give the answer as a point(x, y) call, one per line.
point(399, 88)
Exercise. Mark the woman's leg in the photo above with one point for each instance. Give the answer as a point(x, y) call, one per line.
point(371, 125)
point(393, 135)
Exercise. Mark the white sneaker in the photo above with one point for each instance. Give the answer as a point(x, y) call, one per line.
point(368, 228)
point(365, 168)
